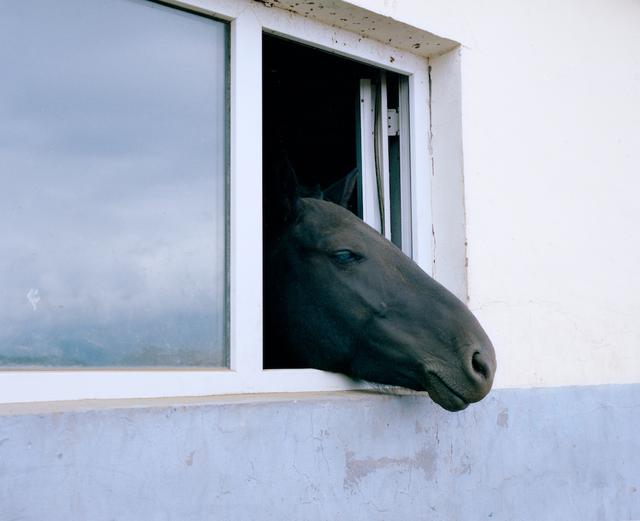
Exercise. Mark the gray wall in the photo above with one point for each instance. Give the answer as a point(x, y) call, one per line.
point(549, 454)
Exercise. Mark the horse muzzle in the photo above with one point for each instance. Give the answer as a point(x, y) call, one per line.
point(454, 391)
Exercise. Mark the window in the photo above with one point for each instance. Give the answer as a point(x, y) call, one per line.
point(114, 157)
point(187, 206)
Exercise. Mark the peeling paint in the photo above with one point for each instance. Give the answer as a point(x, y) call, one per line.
point(357, 469)
point(503, 419)
point(189, 459)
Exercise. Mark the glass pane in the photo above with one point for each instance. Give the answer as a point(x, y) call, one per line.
point(112, 185)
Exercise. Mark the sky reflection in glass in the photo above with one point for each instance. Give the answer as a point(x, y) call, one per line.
point(112, 194)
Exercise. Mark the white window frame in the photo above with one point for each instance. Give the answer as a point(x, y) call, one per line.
point(248, 20)
point(368, 134)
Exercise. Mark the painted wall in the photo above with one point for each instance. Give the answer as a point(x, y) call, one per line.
point(549, 454)
point(551, 139)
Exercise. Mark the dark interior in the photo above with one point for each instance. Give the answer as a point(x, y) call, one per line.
point(310, 107)
point(311, 110)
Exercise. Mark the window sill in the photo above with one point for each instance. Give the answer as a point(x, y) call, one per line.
point(183, 402)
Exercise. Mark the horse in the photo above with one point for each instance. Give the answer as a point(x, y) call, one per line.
point(340, 297)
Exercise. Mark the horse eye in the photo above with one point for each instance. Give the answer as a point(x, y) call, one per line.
point(345, 257)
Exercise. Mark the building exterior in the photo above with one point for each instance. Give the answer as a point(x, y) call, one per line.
point(526, 149)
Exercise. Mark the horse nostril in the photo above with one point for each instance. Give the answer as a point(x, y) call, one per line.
point(480, 366)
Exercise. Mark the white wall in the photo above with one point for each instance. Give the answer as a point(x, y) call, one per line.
point(551, 138)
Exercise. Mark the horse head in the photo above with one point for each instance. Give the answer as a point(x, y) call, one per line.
point(340, 297)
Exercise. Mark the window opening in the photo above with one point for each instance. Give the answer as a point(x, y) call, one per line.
point(343, 125)
point(336, 119)
point(309, 112)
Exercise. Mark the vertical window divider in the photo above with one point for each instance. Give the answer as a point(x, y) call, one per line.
point(246, 197)
point(383, 155)
point(404, 130)
point(367, 156)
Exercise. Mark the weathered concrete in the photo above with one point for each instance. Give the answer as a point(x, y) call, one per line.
point(564, 453)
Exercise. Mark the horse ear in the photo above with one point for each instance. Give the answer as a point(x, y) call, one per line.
point(281, 195)
point(340, 191)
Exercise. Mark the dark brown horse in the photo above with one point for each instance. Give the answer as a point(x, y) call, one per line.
point(342, 298)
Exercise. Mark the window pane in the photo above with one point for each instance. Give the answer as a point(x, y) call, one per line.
point(112, 197)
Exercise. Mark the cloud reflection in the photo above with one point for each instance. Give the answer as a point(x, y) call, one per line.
point(112, 160)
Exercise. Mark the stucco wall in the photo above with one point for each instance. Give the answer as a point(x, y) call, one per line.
point(545, 454)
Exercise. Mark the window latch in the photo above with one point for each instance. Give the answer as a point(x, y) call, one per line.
point(393, 122)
